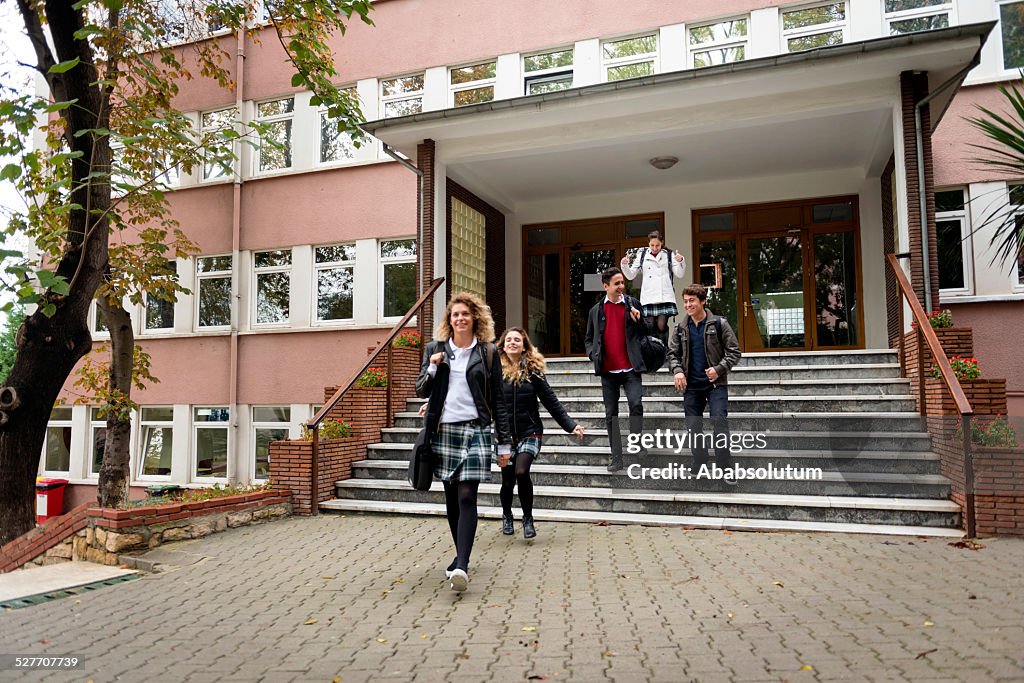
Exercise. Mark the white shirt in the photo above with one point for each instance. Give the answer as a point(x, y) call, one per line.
point(656, 287)
point(459, 405)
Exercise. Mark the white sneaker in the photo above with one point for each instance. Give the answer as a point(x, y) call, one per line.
point(449, 569)
point(460, 581)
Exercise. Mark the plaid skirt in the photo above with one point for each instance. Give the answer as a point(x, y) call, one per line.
point(653, 310)
point(462, 452)
point(530, 445)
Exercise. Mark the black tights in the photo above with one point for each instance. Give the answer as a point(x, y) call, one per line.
point(460, 501)
point(519, 474)
point(659, 326)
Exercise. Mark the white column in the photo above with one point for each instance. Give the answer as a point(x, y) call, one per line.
point(586, 68)
point(182, 447)
point(78, 461)
point(435, 88)
point(672, 48)
point(184, 306)
point(369, 103)
point(241, 454)
point(300, 414)
point(300, 290)
point(866, 20)
point(765, 33)
point(364, 283)
point(305, 130)
point(246, 295)
point(509, 81)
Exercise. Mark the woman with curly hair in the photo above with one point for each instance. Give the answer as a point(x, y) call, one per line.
point(522, 373)
point(461, 376)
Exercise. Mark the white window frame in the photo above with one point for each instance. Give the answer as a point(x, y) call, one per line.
point(717, 44)
point(211, 275)
point(144, 309)
point(257, 271)
point(263, 424)
point(141, 441)
point(454, 88)
point(555, 73)
point(1018, 273)
point(57, 424)
point(220, 176)
point(966, 249)
point(948, 7)
point(814, 29)
point(194, 445)
point(332, 265)
point(287, 117)
point(94, 312)
point(407, 96)
point(390, 260)
point(94, 424)
point(611, 63)
point(321, 118)
point(1009, 70)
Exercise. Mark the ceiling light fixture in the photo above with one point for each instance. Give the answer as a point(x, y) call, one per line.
point(664, 163)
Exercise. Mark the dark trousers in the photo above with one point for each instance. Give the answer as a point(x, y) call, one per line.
point(631, 383)
point(694, 401)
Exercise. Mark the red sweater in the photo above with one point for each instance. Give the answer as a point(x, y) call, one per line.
point(613, 344)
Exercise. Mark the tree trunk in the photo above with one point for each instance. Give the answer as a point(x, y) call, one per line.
point(114, 472)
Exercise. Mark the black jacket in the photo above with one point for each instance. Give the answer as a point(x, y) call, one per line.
point(635, 331)
point(486, 390)
point(522, 401)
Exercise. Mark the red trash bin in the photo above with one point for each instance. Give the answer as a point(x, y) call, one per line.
point(49, 498)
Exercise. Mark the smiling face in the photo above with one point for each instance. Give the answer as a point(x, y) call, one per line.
point(614, 287)
point(693, 305)
point(655, 245)
point(513, 343)
point(461, 319)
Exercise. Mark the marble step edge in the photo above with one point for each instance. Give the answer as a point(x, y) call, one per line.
point(662, 495)
point(809, 434)
point(772, 354)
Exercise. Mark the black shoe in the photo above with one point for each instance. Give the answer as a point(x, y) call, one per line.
point(615, 465)
point(528, 530)
point(506, 525)
point(642, 453)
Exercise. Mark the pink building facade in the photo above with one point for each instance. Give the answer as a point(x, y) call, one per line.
point(789, 128)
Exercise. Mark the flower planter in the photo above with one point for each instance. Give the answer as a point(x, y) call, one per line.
point(986, 396)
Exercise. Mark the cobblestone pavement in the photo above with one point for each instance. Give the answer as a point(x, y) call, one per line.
point(362, 598)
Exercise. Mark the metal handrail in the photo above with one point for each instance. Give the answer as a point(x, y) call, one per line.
point(926, 334)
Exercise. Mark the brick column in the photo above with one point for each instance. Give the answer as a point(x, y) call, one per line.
point(914, 88)
point(425, 162)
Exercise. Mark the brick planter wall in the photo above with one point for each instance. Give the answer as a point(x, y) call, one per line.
point(999, 486)
point(986, 396)
point(955, 341)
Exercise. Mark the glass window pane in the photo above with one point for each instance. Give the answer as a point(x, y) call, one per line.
point(263, 439)
point(275, 108)
point(813, 16)
point(903, 5)
point(335, 253)
point(544, 278)
point(619, 73)
point(209, 264)
point(720, 257)
point(276, 146)
point(474, 96)
point(334, 144)
point(399, 288)
point(642, 228)
point(60, 413)
point(815, 41)
point(390, 87)
point(477, 72)
point(159, 313)
point(219, 119)
point(99, 444)
point(724, 30)
point(214, 301)
point(835, 285)
point(717, 222)
point(631, 47)
point(550, 60)
point(210, 415)
point(334, 294)
point(919, 24)
point(157, 451)
point(58, 449)
point(543, 236)
point(272, 297)
point(951, 254)
point(413, 105)
point(272, 414)
point(831, 213)
point(949, 200)
point(1016, 195)
point(1011, 20)
point(211, 452)
point(540, 86)
point(269, 259)
point(725, 55)
point(157, 414)
point(397, 248)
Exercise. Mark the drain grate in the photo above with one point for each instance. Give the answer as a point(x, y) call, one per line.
point(40, 598)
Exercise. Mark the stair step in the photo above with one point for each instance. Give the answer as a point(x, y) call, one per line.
point(780, 388)
point(759, 374)
point(775, 358)
point(587, 517)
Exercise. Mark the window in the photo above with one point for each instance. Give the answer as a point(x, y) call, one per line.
point(97, 440)
point(273, 286)
point(1011, 26)
point(398, 277)
point(807, 28)
point(268, 424)
point(953, 244)
point(630, 57)
point(210, 442)
point(335, 145)
point(910, 16)
point(157, 442)
point(57, 446)
point(1017, 205)
point(160, 311)
point(548, 72)
point(401, 96)
point(473, 84)
point(99, 323)
point(718, 43)
point(275, 150)
point(216, 128)
point(213, 291)
point(335, 271)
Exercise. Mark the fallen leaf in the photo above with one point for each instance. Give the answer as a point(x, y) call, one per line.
point(778, 583)
point(398, 581)
point(537, 677)
point(608, 653)
point(928, 622)
point(624, 576)
point(309, 622)
point(382, 640)
point(336, 679)
point(529, 628)
point(461, 655)
point(807, 667)
point(972, 596)
point(327, 577)
point(968, 544)
point(726, 531)
point(44, 641)
point(603, 522)
point(926, 653)
point(424, 636)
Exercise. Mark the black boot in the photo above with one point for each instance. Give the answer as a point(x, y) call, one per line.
point(528, 530)
point(616, 463)
point(506, 525)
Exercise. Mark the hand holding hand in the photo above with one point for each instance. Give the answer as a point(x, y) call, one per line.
point(503, 460)
point(578, 432)
point(680, 381)
point(712, 374)
point(436, 358)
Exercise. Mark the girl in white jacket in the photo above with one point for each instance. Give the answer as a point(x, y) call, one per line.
point(657, 295)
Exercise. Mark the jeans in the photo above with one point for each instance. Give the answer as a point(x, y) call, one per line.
point(694, 401)
point(611, 382)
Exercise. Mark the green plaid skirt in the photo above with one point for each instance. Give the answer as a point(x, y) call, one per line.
point(654, 310)
point(530, 445)
point(462, 452)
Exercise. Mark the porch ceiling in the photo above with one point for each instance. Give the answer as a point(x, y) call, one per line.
point(822, 109)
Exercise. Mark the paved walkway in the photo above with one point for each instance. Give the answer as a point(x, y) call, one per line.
point(361, 598)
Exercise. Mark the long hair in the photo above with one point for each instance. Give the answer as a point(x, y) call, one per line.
point(532, 362)
point(483, 323)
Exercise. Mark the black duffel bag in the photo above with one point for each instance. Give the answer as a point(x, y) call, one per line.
point(654, 353)
point(421, 462)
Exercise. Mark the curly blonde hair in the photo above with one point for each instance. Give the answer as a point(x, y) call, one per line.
point(532, 362)
point(483, 323)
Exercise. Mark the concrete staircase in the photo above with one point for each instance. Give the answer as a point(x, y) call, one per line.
point(848, 413)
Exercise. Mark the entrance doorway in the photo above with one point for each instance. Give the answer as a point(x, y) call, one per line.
point(562, 265)
point(786, 275)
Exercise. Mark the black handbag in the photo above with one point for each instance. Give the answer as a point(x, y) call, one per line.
point(421, 462)
point(653, 352)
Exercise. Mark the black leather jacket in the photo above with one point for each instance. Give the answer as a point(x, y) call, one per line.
point(485, 387)
point(523, 400)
